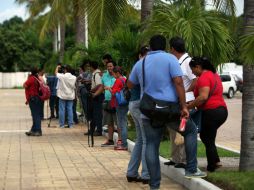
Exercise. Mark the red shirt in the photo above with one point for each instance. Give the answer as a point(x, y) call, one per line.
point(207, 79)
point(32, 87)
point(117, 87)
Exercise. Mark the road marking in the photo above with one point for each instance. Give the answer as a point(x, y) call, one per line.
point(12, 131)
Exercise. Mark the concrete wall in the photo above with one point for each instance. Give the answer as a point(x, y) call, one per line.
point(11, 80)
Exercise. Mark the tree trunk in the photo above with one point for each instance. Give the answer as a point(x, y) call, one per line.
point(80, 25)
point(146, 9)
point(55, 41)
point(247, 134)
point(62, 40)
point(80, 29)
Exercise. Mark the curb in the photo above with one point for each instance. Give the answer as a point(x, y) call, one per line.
point(176, 174)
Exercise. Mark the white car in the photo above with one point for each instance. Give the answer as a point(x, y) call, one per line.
point(229, 84)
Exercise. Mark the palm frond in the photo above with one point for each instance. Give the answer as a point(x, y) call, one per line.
point(203, 31)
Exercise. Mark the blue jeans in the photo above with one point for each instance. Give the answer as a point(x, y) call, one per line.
point(35, 105)
point(69, 105)
point(153, 137)
point(138, 153)
point(121, 114)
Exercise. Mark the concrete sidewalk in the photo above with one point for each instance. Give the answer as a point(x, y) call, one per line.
point(60, 159)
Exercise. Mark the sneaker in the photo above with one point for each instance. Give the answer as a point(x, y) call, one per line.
point(108, 143)
point(197, 174)
point(62, 127)
point(36, 134)
point(180, 165)
point(169, 163)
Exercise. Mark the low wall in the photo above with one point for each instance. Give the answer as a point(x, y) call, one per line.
point(12, 80)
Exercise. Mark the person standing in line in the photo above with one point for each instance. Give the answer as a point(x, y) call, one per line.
point(53, 101)
point(33, 100)
point(209, 98)
point(138, 153)
point(109, 113)
point(121, 110)
point(177, 48)
point(66, 94)
point(97, 99)
point(164, 67)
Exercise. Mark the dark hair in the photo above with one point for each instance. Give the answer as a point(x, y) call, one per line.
point(178, 44)
point(143, 50)
point(114, 63)
point(34, 71)
point(107, 56)
point(204, 62)
point(94, 64)
point(118, 69)
point(85, 62)
point(157, 42)
point(67, 68)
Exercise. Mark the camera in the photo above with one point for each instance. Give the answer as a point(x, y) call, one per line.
point(61, 69)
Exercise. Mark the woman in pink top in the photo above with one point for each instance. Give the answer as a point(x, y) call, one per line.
point(209, 98)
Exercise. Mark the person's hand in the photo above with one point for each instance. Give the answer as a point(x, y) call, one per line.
point(107, 88)
point(185, 113)
point(93, 95)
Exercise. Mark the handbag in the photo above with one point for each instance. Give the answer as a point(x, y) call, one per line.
point(160, 112)
point(120, 96)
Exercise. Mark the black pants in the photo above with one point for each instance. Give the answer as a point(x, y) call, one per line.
point(97, 113)
point(211, 120)
point(54, 105)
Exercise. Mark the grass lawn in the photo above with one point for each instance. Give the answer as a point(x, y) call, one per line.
point(165, 147)
point(232, 180)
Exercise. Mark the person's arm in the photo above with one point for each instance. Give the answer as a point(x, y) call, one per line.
point(178, 82)
point(98, 91)
point(57, 69)
point(201, 99)
point(192, 86)
point(130, 85)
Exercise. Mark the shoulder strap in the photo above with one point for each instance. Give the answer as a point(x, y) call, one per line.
point(214, 87)
point(143, 72)
point(184, 59)
point(94, 76)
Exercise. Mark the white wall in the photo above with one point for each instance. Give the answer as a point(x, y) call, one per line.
point(11, 80)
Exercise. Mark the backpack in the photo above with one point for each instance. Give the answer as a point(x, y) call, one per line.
point(120, 96)
point(44, 90)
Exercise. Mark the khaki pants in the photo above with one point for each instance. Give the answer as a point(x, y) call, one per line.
point(178, 154)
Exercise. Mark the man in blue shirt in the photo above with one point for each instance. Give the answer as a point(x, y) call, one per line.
point(164, 82)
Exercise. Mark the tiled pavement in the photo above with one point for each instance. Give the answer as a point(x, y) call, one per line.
point(60, 159)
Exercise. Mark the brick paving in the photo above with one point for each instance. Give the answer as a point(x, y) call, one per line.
point(60, 159)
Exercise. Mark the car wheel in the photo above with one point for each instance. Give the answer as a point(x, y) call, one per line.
point(230, 93)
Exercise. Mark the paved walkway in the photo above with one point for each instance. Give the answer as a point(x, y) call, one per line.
point(60, 159)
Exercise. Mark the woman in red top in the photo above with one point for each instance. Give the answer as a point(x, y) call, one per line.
point(35, 103)
point(121, 111)
point(208, 93)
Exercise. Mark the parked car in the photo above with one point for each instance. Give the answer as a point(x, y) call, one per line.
point(239, 82)
point(229, 84)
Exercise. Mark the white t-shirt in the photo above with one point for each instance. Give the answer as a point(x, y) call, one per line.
point(96, 78)
point(66, 86)
point(188, 76)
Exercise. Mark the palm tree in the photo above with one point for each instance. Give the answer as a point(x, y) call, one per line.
point(247, 132)
point(146, 9)
point(203, 31)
